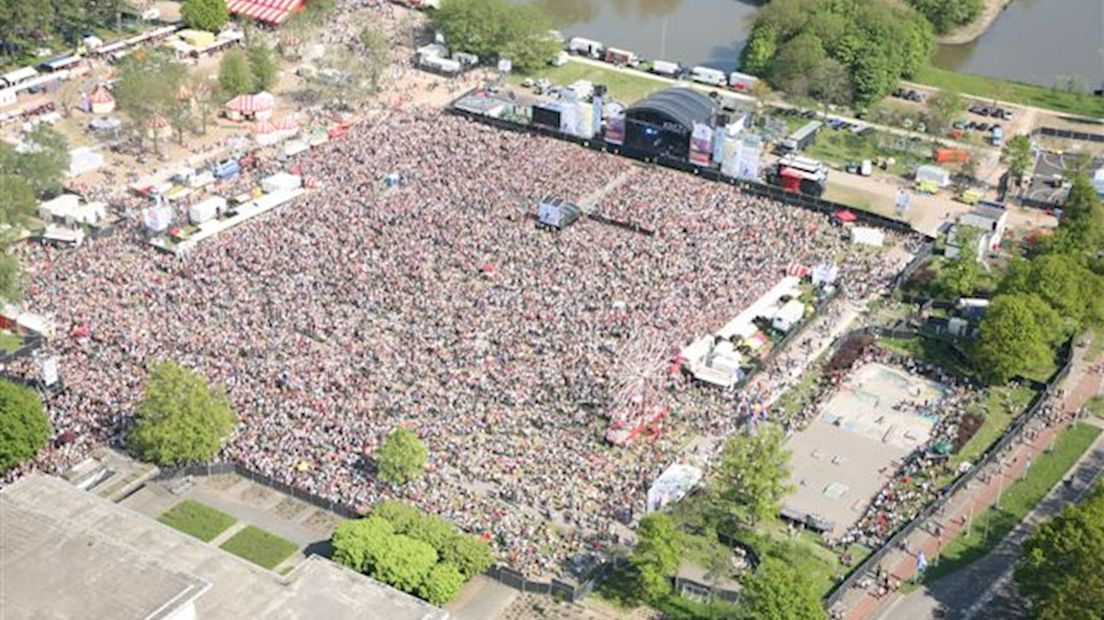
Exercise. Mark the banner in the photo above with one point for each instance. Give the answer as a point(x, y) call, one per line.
point(615, 123)
point(158, 218)
point(701, 144)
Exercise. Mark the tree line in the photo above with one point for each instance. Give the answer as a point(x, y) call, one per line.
point(28, 24)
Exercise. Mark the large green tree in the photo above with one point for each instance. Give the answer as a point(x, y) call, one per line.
point(656, 555)
point(234, 76)
point(469, 554)
point(1061, 568)
point(779, 591)
point(441, 584)
point(209, 15)
point(1081, 228)
point(1017, 155)
point(959, 276)
point(402, 457)
point(181, 418)
point(753, 476)
point(877, 42)
point(518, 31)
point(404, 562)
point(149, 87)
point(24, 426)
point(1064, 282)
point(1013, 339)
point(357, 543)
point(42, 164)
point(946, 15)
point(262, 62)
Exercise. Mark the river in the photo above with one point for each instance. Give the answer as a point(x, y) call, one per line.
point(1031, 41)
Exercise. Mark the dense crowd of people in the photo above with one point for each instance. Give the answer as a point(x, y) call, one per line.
point(437, 305)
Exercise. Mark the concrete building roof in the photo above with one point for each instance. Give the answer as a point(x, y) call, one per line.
point(66, 553)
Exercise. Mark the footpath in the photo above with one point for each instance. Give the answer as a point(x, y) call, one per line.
point(860, 602)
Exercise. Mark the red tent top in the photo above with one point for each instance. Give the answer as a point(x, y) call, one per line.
point(101, 95)
point(249, 104)
point(844, 215)
point(269, 11)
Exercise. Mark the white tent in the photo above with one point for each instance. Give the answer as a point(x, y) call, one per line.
point(280, 181)
point(83, 160)
point(867, 236)
point(672, 485)
point(59, 208)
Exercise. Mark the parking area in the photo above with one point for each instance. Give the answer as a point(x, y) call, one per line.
point(1047, 185)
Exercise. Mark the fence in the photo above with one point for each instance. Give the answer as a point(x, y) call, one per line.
point(994, 450)
point(1070, 135)
point(562, 590)
point(755, 188)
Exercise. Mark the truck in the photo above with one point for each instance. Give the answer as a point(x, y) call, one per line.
point(585, 47)
point(709, 75)
point(741, 82)
point(802, 138)
point(618, 56)
point(798, 174)
point(666, 68)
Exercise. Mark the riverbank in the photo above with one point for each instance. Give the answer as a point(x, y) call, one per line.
point(971, 31)
point(983, 87)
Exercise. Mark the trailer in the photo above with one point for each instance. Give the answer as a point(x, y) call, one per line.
point(741, 82)
point(802, 138)
point(666, 69)
point(709, 75)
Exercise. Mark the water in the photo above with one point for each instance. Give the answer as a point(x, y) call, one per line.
point(1032, 41)
point(1036, 41)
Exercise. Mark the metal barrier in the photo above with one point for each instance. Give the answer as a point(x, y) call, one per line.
point(1084, 136)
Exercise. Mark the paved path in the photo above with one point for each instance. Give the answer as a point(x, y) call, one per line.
point(964, 594)
point(860, 604)
point(482, 598)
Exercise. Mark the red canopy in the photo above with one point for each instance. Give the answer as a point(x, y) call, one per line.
point(844, 215)
point(251, 104)
point(269, 11)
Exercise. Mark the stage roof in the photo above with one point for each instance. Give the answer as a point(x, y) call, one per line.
point(685, 106)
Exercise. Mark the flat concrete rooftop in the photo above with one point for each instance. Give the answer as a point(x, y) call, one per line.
point(66, 553)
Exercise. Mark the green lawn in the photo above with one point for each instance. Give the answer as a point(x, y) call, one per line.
point(931, 350)
point(260, 547)
point(840, 147)
point(997, 418)
point(1016, 92)
point(622, 86)
point(1095, 406)
point(196, 519)
point(9, 342)
point(1018, 499)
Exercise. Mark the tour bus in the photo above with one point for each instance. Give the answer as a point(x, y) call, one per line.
point(708, 75)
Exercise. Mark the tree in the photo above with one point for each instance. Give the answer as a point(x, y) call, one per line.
point(357, 543)
point(234, 77)
point(959, 276)
point(1061, 566)
point(209, 15)
point(753, 475)
point(943, 109)
point(402, 457)
point(497, 27)
point(24, 427)
point(42, 165)
point(434, 531)
point(1063, 282)
point(1012, 339)
point(1017, 155)
point(181, 418)
point(1082, 225)
point(17, 199)
point(404, 562)
point(946, 15)
point(469, 554)
point(831, 83)
point(778, 591)
point(149, 86)
point(262, 63)
point(442, 584)
point(656, 555)
point(376, 51)
point(793, 67)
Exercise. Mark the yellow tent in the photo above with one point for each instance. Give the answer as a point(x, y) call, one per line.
point(196, 38)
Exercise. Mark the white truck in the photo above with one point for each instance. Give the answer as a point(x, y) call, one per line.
point(585, 47)
point(709, 75)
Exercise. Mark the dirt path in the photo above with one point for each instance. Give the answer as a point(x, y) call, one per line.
point(976, 28)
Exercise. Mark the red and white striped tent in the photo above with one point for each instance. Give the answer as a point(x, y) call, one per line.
point(268, 11)
point(257, 106)
point(265, 127)
point(798, 271)
point(102, 101)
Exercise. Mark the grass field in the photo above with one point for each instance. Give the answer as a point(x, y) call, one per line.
point(196, 519)
point(1016, 92)
point(1018, 499)
point(624, 87)
point(260, 547)
point(840, 147)
point(1095, 406)
point(930, 350)
point(9, 342)
point(997, 418)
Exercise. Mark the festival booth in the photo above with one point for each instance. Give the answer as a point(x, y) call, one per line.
point(269, 132)
point(672, 485)
point(250, 107)
point(158, 128)
point(101, 101)
point(58, 209)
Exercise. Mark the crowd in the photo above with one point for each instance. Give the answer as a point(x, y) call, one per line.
point(437, 305)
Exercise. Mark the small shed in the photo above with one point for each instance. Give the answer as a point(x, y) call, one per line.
point(935, 174)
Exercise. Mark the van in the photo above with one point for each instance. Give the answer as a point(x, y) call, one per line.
point(710, 76)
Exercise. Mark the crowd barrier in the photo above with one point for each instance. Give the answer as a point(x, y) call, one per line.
point(994, 450)
point(1084, 136)
point(811, 203)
